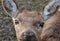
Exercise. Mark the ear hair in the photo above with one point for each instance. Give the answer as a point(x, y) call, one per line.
point(52, 6)
point(9, 6)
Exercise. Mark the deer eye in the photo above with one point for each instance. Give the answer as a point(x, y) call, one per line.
point(38, 24)
point(16, 22)
point(41, 24)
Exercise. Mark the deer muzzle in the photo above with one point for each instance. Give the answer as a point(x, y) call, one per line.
point(28, 36)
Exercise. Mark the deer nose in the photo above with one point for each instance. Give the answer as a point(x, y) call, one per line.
point(28, 36)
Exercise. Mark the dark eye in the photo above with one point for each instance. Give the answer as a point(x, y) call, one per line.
point(16, 22)
point(39, 24)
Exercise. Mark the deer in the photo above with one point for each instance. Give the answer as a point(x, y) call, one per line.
point(27, 24)
point(51, 15)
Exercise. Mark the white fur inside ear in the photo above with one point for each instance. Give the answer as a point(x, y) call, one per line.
point(50, 8)
point(10, 4)
point(14, 7)
point(46, 10)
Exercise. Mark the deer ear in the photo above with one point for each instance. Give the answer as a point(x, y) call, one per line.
point(10, 7)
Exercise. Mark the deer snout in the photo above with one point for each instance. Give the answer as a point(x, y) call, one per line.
point(28, 36)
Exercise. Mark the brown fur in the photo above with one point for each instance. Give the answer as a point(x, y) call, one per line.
point(26, 23)
point(51, 29)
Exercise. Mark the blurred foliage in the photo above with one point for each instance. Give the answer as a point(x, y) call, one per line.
point(31, 4)
point(7, 31)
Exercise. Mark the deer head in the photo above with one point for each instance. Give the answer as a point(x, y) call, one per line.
point(27, 24)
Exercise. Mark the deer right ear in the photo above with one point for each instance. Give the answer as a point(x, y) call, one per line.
point(10, 7)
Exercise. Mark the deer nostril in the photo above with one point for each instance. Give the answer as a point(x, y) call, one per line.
point(28, 35)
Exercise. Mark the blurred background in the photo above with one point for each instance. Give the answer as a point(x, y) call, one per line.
point(7, 31)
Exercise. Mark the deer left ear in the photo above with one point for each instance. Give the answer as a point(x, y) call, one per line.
point(10, 7)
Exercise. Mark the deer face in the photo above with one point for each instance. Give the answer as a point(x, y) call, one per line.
point(27, 24)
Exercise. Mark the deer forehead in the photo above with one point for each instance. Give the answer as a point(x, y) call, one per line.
point(30, 13)
point(29, 16)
